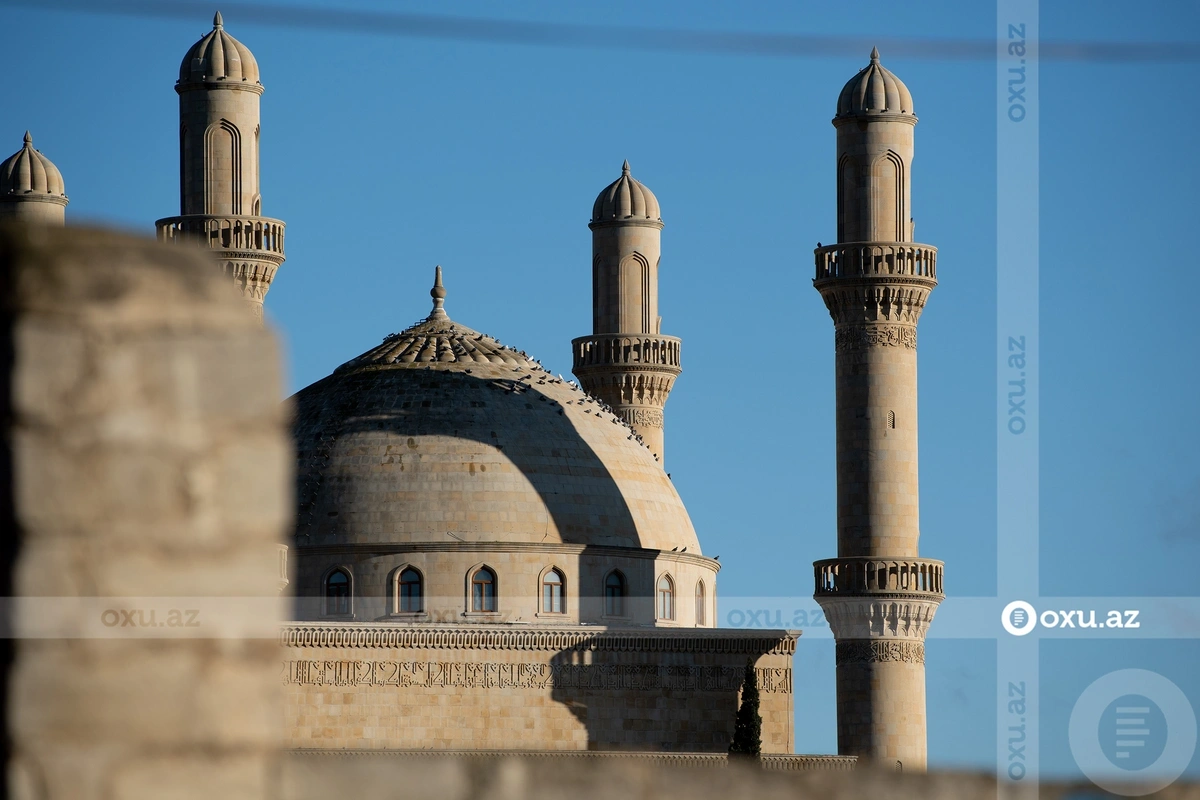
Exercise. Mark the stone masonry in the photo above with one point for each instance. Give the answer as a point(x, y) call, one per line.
point(146, 466)
point(878, 594)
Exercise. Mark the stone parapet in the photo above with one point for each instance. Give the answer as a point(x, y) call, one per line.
point(260, 237)
point(779, 761)
point(879, 577)
point(627, 351)
point(856, 260)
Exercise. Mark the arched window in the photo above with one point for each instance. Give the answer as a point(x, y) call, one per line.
point(614, 594)
point(700, 604)
point(408, 592)
point(337, 592)
point(483, 590)
point(666, 598)
point(552, 593)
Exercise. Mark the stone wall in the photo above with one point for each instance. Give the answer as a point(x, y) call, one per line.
point(146, 465)
point(448, 687)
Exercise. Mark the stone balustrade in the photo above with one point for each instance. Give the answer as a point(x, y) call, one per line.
point(879, 576)
point(871, 259)
point(261, 234)
point(626, 350)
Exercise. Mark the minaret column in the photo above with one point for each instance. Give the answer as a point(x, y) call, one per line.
point(220, 199)
point(627, 362)
point(878, 594)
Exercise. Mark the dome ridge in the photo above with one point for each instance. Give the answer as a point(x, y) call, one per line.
point(28, 172)
point(219, 57)
point(626, 198)
point(874, 90)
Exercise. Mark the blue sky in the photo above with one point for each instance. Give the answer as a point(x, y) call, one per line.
point(386, 156)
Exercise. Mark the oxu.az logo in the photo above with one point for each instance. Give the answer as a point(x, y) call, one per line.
point(1020, 618)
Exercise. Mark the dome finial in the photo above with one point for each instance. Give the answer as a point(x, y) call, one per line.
point(874, 55)
point(625, 167)
point(217, 22)
point(28, 139)
point(438, 293)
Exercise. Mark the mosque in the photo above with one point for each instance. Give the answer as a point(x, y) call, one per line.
point(490, 557)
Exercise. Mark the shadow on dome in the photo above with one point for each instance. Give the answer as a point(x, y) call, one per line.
point(398, 457)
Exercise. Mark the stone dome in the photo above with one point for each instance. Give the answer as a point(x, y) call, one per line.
point(218, 57)
point(874, 90)
point(28, 172)
point(626, 199)
point(443, 436)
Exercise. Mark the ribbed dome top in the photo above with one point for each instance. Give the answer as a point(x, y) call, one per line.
point(625, 199)
point(29, 172)
point(443, 435)
point(218, 57)
point(874, 90)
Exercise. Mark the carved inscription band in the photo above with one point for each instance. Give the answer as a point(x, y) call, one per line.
point(858, 337)
point(643, 417)
point(489, 675)
point(868, 651)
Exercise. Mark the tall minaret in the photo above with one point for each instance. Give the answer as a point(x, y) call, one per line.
point(31, 187)
point(220, 203)
point(878, 595)
point(627, 362)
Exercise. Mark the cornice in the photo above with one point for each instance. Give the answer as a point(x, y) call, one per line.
point(505, 637)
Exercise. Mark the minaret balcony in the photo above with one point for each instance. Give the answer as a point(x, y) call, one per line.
point(889, 577)
point(877, 260)
point(634, 351)
point(260, 237)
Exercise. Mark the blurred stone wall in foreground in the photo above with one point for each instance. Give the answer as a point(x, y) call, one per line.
point(147, 468)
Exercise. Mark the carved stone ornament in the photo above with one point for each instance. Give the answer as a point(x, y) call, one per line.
point(869, 651)
point(857, 337)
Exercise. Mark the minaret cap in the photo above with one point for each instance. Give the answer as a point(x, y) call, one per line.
point(28, 172)
point(874, 90)
point(219, 57)
point(626, 198)
point(438, 293)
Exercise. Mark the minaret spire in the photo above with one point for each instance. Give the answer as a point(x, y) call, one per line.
point(438, 293)
point(217, 23)
point(879, 595)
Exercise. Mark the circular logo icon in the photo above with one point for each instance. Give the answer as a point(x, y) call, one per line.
point(1132, 732)
point(1018, 618)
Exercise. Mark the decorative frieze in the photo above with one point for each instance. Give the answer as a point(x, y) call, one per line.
point(897, 300)
point(853, 617)
point(498, 675)
point(862, 336)
point(481, 638)
point(869, 651)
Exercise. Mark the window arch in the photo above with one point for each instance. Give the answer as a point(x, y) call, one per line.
point(337, 592)
point(701, 604)
point(665, 595)
point(614, 594)
point(410, 591)
point(483, 590)
point(553, 592)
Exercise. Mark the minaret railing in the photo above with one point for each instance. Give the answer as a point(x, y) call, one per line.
point(261, 234)
point(879, 576)
point(626, 350)
point(871, 259)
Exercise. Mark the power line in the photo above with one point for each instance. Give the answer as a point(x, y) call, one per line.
point(499, 31)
